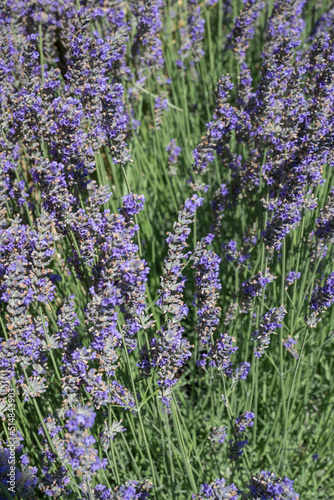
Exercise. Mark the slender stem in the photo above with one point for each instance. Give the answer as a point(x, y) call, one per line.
point(170, 453)
point(143, 432)
point(111, 446)
point(281, 354)
point(170, 105)
point(182, 446)
point(41, 54)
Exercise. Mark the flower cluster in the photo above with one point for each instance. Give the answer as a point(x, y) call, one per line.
point(288, 145)
point(173, 153)
point(268, 485)
point(206, 275)
point(240, 426)
point(291, 278)
point(232, 254)
point(217, 435)
point(146, 48)
point(289, 344)
point(169, 350)
point(325, 223)
point(219, 355)
point(244, 28)
point(18, 479)
point(191, 36)
point(27, 287)
point(268, 323)
point(74, 449)
point(321, 299)
point(131, 490)
point(110, 432)
point(254, 287)
point(86, 87)
point(218, 490)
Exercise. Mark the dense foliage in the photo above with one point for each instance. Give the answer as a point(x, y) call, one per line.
point(166, 243)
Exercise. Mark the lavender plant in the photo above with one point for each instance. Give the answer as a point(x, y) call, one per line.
point(135, 365)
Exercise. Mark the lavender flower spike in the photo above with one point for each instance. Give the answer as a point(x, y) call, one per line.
point(173, 151)
point(289, 344)
point(217, 435)
point(131, 490)
point(244, 30)
point(206, 275)
point(267, 485)
point(240, 426)
point(291, 278)
point(269, 322)
point(253, 287)
point(169, 351)
point(217, 490)
point(322, 299)
point(219, 355)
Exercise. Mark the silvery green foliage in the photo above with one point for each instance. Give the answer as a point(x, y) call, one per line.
point(109, 433)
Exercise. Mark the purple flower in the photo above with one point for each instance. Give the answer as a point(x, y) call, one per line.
point(219, 355)
point(206, 275)
point(245, 420)
point(24, 459)
point(26, 479)
point(217, 490)
point(132, 204)
point(237, 444)
point(191, 36)
point(268, 485)
point(244, 28)
point(325, 223)
point(169, 350)
point(241, 372)
point(173, 153)
point(131, 490)
point(80, 418)
point(291, 278)
point(269, 322)
point(217, 435)
point(253, 287)
point(232, 254)
point(322, 299)
point(289, 344)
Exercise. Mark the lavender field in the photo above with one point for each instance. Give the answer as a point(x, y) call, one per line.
point(166, 249)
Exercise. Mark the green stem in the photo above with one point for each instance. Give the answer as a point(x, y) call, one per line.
point(142, 428)
point(41, 54)
point(55, 366)
point(136, 220)
point(182, 446)
point(281, 354)
point(112, 449)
